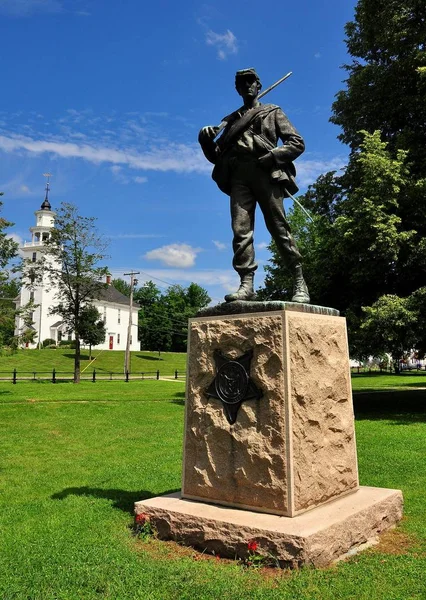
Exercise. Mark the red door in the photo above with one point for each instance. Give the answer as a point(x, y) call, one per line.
point(111, 342)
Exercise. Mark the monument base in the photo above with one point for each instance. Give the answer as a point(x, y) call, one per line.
point(317, 537)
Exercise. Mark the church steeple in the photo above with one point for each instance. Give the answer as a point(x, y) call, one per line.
point(45, 220)
point(46, 203)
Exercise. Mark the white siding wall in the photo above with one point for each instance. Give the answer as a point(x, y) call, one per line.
point(116, 328)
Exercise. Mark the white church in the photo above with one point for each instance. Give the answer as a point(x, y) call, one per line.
point(113, 306)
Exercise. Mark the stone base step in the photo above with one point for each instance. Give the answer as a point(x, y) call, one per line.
point(317, 537)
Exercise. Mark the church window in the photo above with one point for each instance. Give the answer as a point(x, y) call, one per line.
point(34, 256)
point(45, 237)
point(118, 338)
point(119, 316)
point(32, 296)
point(105, 313)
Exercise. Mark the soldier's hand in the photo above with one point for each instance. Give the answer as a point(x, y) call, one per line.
point(207, 134)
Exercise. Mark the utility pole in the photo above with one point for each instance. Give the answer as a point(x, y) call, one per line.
point(133, 281)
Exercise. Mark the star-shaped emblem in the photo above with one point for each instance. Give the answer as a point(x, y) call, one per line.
point(232, 383)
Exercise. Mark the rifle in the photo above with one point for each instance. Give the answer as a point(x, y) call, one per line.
point(223, 124)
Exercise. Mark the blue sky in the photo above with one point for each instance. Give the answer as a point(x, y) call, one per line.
point(109, 97)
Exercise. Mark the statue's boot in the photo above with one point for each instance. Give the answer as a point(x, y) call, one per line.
point(300, 289)
point(245, 291)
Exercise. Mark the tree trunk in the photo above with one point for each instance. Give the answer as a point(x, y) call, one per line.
point(90, 351)
point(77, 359)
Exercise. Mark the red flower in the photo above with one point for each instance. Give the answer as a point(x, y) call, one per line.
point(141, 519)
point(252, 546)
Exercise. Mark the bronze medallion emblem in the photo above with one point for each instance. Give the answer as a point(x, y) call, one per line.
point(232, 383)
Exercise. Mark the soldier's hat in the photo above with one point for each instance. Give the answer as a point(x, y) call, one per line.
point(245, 72)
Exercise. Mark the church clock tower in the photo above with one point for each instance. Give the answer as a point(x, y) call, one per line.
point(41, 295)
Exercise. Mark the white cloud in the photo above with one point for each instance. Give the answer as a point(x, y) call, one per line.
point(317, 55)
point(180, 158)
point(220, 245)
point(225, 43)
point(16, 238)
point(262, 245)
point(140, 179)
point(24, 8)
point(174, 255)
point(16, 187)
point(309, 170)
point(19, 240)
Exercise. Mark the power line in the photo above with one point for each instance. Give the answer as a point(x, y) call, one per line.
point(158, 279)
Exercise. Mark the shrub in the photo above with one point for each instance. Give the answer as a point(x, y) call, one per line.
point(49, 342)
point(67, 344)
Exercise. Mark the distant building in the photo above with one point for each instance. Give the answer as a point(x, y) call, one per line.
point(113, 306)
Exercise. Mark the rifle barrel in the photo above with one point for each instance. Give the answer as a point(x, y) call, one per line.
point(269, 89)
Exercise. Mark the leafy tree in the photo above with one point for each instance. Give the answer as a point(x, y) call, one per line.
point(70, 265)
point(386, 91)
point(371, 239)
point(389, 326)
point(370, 221)
point(153, 324)
point(182, 304)
point(163, 317)
point(147, 294)
point(8, 247)
point(156, 328)
point(279, 281)
point(122, 286)
point(416, 303)
point(356, 247)
point(196, 297)
point(386, 86)
point(8, 291)
point(91, 327)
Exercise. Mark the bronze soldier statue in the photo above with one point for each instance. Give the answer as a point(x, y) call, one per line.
point(251, 168)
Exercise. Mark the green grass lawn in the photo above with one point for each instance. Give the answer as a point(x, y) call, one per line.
point(106, 361)
point(76, 458)
point(376, 381)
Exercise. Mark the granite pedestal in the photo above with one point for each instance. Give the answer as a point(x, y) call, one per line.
point(290, 452)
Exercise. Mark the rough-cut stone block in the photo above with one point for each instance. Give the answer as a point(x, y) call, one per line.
point(324, 464)
point(316, 537)
point(294, 448)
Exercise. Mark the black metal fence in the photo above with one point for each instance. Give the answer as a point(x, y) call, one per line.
point(403, 367)
point(56, 376)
